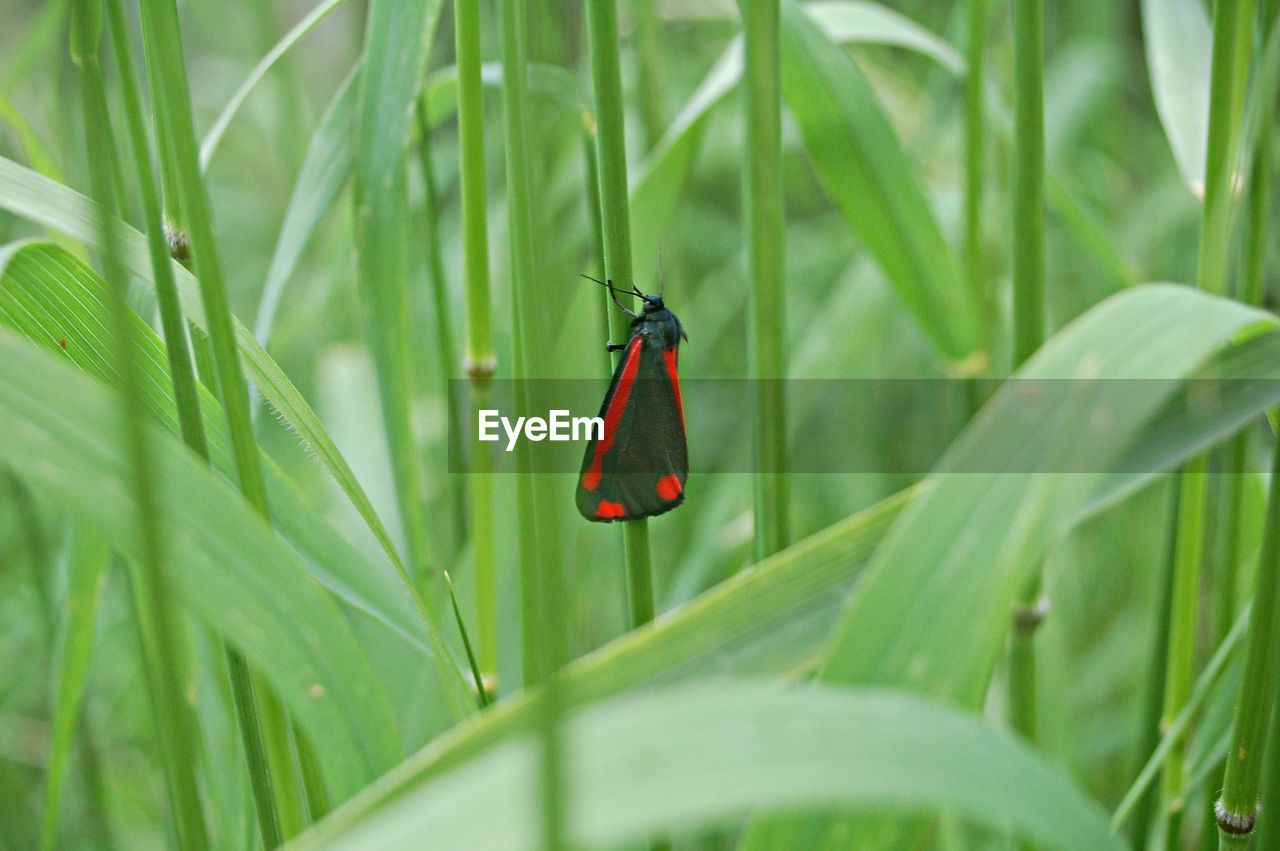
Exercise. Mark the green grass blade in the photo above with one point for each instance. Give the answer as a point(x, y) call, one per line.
point(209, 144)
point(50, 298)
point(394, 57)
point(27, 194)
point(763, 225)
point(910, 623)
point(864, 170)
point(657, 761)
point(227, 565)
point(87, 576)
point(1178, 44)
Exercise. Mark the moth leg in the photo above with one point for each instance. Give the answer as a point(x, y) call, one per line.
point(615, 347)
point(613, 295)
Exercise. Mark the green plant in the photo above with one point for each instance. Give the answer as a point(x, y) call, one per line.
point(398, 198)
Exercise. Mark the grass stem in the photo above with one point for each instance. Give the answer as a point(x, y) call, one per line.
point(175, 134)
point(513, 18)
point(1236, 810)
point(154, 611)
point(766, 245)
point(479, 360)
point(1027, 237)
point(1232, 41)
point(615, 216)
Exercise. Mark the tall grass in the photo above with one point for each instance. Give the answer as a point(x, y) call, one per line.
point(156, 625)
point(859, 141)
point(1027, 240)
point(1232, 42)
point(615, 215)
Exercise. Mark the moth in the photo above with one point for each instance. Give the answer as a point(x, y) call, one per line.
point(639, 465)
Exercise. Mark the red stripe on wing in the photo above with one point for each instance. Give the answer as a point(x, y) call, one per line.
point(613, 415)
point(669, 357)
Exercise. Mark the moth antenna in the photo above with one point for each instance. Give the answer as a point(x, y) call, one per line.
point(662, 278)
point(609, 286)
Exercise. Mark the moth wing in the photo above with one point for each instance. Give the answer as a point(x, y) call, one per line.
point(640, 466)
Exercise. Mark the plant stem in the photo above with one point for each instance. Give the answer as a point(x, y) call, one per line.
point(176, 137)
point(153, 607)
point(184, 390)
point(1236, 809)
point(1028, 307)
point(1239, 804)
point(1152, 707)
point(1232, 38)
point(647, 53)
point(611, 156)
point(974, 157)
point(551, 626)
point(765, 237)
point(1179, 661)
point(1028, 178)
point(479, 361)
point(446, 353)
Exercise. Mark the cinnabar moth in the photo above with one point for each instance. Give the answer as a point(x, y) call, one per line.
point(640, 465)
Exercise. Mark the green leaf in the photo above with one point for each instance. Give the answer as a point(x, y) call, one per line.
point(211, 139)
point(972, 540)
point(702, 755)
point(49, 203)
point(224, 562)
point(51, 298)
point(865, 171)
point(86, 578)
point(330, 159)
point(773, 618)
point(324, 172)
point(656, 185)
point(1179, 46)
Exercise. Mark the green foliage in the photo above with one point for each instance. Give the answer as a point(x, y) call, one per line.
point(355, 193)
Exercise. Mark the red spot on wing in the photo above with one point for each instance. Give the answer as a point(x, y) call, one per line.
point(669, 358)
point(613, 415)
point(608, 509)
point(669, 488)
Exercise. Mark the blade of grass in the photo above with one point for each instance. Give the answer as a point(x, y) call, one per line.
point(184, 387)
point(1237, 808)
point(394, 56)
point(863, 168)
point(232, 569)
point(153, 613)
point(763, 225)
point(975, 155)
point(176, 134)
point(1177, 727)
point(611, 157)
point(520, 148)
point(87, 576)
point(646, 53)
point(209, 144)
point(1027, 239)
point(657, 760)
point(1232, 45)
point(446, 354)
point(479, 361)
point(42, 200)
point(911, 623)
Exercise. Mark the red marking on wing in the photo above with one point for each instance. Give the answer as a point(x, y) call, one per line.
point(612, 416)
point(669, 357)
point(610, 509)
point(669, 488)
